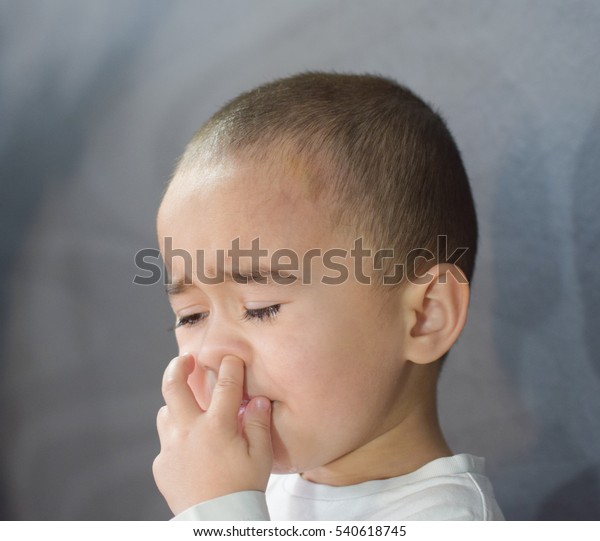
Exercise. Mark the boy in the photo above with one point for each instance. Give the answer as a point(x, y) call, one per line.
point(302, 233)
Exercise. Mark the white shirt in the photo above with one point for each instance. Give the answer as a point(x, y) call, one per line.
point(449, 488)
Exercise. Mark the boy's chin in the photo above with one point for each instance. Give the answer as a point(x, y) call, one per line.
point(282, 461)
point(284, 464)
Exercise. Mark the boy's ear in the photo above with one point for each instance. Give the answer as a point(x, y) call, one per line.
point(436, 312)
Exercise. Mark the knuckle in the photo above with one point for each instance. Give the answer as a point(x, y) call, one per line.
point(162, 416)
point(257, 424)
point(169, 385)
point(156, 467)
point(226, 382)
point(163, 412)
point(171, 388)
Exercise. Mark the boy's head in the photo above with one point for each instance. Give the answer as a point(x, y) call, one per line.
point(290, 176)
point(380, 159)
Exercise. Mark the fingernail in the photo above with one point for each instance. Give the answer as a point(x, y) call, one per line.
point(229, 359)
point(263, 404)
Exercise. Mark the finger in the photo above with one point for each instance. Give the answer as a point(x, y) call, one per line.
point(257, 427)
point(228, 392)
point(202, 381)
point(178, 396)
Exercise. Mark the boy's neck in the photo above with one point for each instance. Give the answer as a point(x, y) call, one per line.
point(406, 447)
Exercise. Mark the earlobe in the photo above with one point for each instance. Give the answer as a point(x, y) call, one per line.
point(437, 314)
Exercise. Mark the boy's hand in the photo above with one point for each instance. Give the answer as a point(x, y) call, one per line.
point(207, 454)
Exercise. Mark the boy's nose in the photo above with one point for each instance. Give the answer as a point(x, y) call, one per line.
point(202, 381)
point(216, 342)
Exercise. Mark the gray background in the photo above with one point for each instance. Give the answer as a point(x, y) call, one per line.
point(97, 100)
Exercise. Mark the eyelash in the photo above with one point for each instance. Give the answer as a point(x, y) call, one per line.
point(261, 314)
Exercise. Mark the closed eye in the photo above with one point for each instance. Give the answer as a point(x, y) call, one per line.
point(268, 312)
point(189, 321)
point(260, 314)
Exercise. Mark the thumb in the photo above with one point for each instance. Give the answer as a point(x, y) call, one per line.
point(257, 427)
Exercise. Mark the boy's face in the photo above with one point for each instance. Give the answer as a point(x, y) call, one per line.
point(329, 358)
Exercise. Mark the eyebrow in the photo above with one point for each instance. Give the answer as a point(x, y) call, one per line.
point(260, 275)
